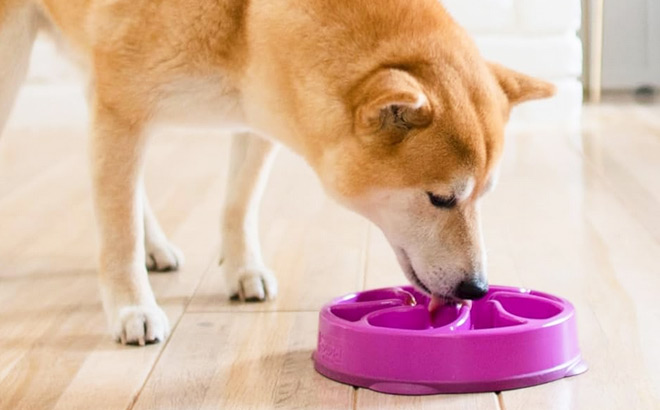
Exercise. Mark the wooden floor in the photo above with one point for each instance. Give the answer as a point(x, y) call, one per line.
point(577, 215)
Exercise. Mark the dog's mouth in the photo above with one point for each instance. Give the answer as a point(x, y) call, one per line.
point(437, 300)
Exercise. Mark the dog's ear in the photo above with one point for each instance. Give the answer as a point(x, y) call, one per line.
point(520, 87)
point(388, 105)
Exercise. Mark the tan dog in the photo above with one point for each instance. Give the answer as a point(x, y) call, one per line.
point(388, 100)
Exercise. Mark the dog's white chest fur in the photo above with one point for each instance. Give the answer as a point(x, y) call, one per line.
point(202, 102)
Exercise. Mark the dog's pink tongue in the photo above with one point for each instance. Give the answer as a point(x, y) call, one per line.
point(438, 301)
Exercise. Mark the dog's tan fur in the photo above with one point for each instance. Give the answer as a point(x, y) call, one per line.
point(388, 101)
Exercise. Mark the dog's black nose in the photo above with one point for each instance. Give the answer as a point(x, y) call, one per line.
point(472, 289)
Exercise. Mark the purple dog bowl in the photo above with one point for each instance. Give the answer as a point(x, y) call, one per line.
point(386, 340)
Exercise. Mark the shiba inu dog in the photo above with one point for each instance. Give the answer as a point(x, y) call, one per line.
point(389, 101)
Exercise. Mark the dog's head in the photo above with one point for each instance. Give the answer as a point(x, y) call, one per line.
point(424, 148)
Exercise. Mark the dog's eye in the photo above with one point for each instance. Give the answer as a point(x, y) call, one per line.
point(444, 202)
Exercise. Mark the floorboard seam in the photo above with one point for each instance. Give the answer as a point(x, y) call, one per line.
point(500, 401)
point(167, 341)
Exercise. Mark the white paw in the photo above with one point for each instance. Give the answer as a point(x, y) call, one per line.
point(163, 257)
point(140, 325)
point(251, 284)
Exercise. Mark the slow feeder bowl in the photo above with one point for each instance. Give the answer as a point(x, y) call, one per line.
point(386, 340)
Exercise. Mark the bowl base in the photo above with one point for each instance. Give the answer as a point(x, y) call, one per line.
point(400, 387)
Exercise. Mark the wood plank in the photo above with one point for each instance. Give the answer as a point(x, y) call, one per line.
point(624, 153)
point(368, 399)
point(240, 361)
point(570, 234)
point(47, 127)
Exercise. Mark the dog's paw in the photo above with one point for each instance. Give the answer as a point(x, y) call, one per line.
point(163, 257)
point(140, 325)
point(252, 284)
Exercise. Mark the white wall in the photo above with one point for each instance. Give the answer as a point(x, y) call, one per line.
point(537, 37)
point(631, 44)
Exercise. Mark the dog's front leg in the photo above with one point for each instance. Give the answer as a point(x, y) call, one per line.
point(247, 277)
point(117, 159)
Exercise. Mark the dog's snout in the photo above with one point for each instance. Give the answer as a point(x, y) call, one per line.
point(472, 289)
